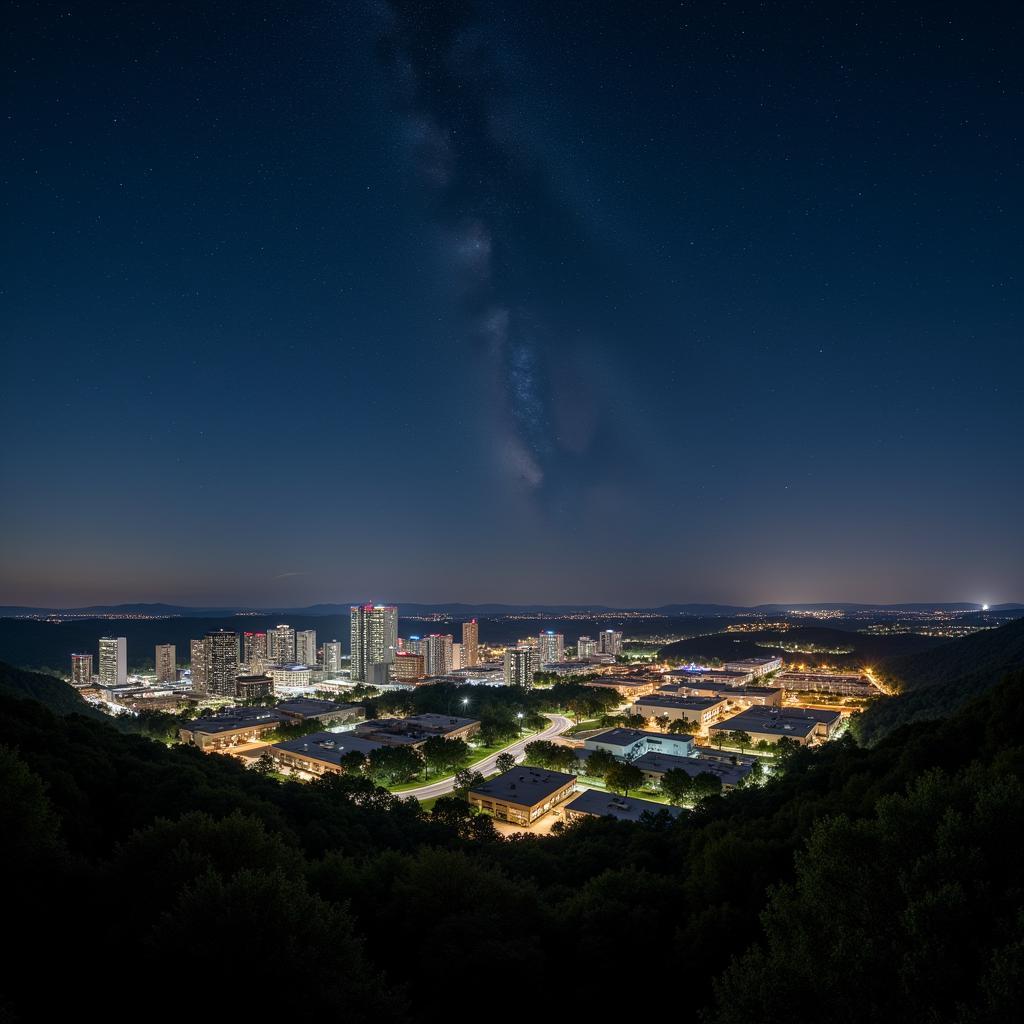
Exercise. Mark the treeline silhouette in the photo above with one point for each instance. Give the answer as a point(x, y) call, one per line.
point(865, 884)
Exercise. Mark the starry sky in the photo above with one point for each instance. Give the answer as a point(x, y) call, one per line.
point(549, 302)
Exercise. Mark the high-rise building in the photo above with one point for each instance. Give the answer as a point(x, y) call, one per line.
point(166, 663)
point(457, 654)
point(81, 669)
point(610, 641)
point(437, 654)
point(254, 652)
point(550, 647)
point(222, 662)
point(332, 657)
point(113, 661)
point(520, 664)
point(410, 646)
point(305, 647)
point(585, 647)
point(470, 644)
point(374, 640)
point(281, 645)
point(408, 666)
point(199, 663)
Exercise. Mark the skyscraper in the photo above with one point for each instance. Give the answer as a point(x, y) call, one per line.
point(332, 657)
point(81, 669)
point(437, 654)
point(585, 647)
point(166, 663)
point(520, 664)
point(610, 641)
point(199, 659)
point(550, 647)
point(374, 640)
point(305, 647)
point(281, 644)
point(470, 643)
point(222, 662)
point(113, 661)
point(254, 654)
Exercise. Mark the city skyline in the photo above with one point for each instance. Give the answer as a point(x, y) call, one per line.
point(426, 287)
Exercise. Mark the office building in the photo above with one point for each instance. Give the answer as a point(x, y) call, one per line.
point(595, 803)
point(457, 656)
point(697, 711)
point(470, 643)
point(550, 647)
point(770, 724)
point(221, 662)
point(253, 687)
point(410, 646)
point(305, 647)
point(437, 654)
point(281, 645)
point(407, 667)
point(166, 663)
point(332, 658)
point(585, 647)
point(628, 744)
point(81, 669)
point(113, 661)
point(255, 654)
point(374, 630)
point(199, 658)
point(609, 641)
point(756, 666)
point(520, 665)
point(522, 795)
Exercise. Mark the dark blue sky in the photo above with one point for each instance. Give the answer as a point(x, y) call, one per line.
point(556, 302)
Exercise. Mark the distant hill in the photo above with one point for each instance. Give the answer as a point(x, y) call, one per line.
point(58, 696)
point(867, 649)
point(936, 683)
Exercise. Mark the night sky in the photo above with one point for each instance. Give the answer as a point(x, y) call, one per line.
point(598, 302)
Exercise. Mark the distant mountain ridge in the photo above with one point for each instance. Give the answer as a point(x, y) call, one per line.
point(463, 608)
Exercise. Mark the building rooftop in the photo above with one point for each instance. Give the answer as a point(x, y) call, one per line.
point(730, 774)
point(669, 700)
point(235, 718)
point(607, 805)
point(522, 785)
point(754, 662)
point(783, 721)
point(328, 746)
point(305, 707)
point(620, 737)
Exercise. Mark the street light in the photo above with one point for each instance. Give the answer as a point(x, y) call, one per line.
point(519, 715)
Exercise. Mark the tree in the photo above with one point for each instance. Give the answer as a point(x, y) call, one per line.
point(505, 762)
point(442, 755)
point(467, 779)
point(679, 726)
point(353, 763)
point(392, 766)
point(741, 739)
point(623, 777)
point(677, 785)
point(264, 764)
point(599, 763)
point(706, 784)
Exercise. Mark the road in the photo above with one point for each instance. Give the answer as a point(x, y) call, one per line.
point(559, 724)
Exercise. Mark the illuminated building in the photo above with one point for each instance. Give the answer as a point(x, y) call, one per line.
point(166, 663)
point(281, 645)
point(113, 661)
point(437, 654)
point(255, 654)
point(305, 647)
point(585, 647)
point(221, 662)
point(470, 643)
point(609, 642)
point(374, 630)
point(332, 657)
point(199, 664)
point(407, 666)
point(520, 665)
point(758, 666)
point(522, 795)
point(81, 669)
point(550, 647)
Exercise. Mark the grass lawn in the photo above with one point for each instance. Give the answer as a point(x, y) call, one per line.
point(590, 723)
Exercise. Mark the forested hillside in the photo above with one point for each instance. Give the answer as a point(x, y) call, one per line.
point(844, 889)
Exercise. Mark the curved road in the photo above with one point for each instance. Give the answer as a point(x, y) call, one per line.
point(559, 723)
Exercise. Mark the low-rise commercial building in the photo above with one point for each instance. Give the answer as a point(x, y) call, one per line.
point(697, 674)
point(627, 744)
point(804, 725)
point(230, 727)
point(698, 711)
point(314, 709)
point(844, 684)
point(744, 696)
point(758, 666)
point(290, 677)
point(321, 752)
point(253, 687)
point(628, 687)
point(522, 795)
point(654, 766)
point(417, 729)
point(596, 803)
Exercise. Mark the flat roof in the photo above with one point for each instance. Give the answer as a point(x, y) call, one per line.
point(706, 673)
point(672, 701)
point(780, 721)
point(328, 746)
point(607, 805)
point(235, 718)
point(754, 661)
point(523, 785)
point(310, 706)
point(730, 774)
point(620, 737)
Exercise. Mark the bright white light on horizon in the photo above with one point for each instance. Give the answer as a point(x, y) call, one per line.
point(984, 607)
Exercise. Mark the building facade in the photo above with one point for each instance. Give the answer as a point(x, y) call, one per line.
point(470, 643)
point(305, 647)
point(281, 645)
point(166, 663)
point(520, 665)
point(436, 650)
point(81, 669)
point(221, 662)
point(332, 657)
point(113, 661)
point(550, 647)
point(374, 629)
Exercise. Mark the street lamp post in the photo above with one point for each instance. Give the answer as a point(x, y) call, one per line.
point(519, 715)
